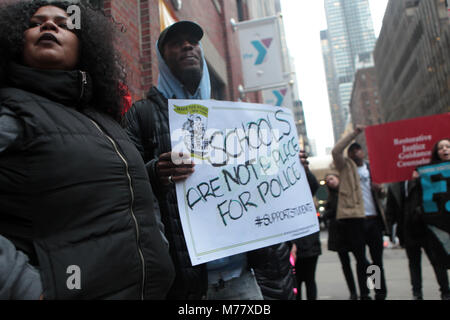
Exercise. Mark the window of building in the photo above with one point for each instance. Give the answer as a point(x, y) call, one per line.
point(240, 10)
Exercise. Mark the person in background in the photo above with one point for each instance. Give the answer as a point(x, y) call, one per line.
point(375, 223)
point(441, 151)
point(307, 251)
point(405, 207)
point(76, 207)
point(360, 211)
point(335, 242)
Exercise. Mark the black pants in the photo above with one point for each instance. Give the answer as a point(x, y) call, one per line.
point(305, 271)
point(344, 257)
point(414, 253)
point(352, 231)
point(373, 230)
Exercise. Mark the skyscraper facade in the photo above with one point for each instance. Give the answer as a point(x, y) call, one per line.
point(412, 59)
point(333, 92)
point(350, 34)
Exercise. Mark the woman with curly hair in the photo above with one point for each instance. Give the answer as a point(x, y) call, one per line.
point(76, 218)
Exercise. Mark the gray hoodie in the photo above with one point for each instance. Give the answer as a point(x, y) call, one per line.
point(18, 279)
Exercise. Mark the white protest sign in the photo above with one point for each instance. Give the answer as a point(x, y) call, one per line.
point(249, 189)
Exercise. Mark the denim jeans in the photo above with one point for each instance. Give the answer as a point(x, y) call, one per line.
point(244, 287)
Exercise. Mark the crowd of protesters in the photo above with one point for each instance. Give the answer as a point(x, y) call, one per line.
point(82, 183)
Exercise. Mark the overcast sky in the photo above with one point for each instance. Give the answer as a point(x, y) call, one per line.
point(303, 21)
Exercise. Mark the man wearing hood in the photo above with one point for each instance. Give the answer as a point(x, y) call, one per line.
point(183, 74)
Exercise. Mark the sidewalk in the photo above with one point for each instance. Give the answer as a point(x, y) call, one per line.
point(331, 283)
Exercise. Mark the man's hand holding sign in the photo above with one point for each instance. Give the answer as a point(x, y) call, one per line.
point(174, 167)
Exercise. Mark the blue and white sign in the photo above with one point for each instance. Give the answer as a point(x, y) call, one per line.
point(261, 53)
point(435, 180)
point(278, 97)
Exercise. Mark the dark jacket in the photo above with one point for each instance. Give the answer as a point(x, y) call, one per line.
point(148, 128)
point(74, 192)
point(336, 241)
point(273, 271)
point(405, 211)
point(309, 246)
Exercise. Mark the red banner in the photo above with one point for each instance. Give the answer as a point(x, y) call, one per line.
point(395, 149)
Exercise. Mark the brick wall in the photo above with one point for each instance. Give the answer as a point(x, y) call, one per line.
point(126, 14)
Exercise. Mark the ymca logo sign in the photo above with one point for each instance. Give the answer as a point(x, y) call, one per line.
point(280, 95)
point(261, 54)
point(276, 97)
point(261, 47)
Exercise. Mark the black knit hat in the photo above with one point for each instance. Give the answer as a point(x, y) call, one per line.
point(182, 26)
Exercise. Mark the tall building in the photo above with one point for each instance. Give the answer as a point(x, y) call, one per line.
point(313, 144)
point(263, 8)
point(412, 59)
point(350, 33)
point(337, 115)
point(299, 114)
point(365, 102)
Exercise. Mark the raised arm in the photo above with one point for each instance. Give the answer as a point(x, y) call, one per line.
point(338, 150)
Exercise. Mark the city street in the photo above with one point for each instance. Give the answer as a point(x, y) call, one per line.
point(331, 283)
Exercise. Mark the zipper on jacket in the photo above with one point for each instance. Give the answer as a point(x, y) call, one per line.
point(83, 83)
point(131, 206)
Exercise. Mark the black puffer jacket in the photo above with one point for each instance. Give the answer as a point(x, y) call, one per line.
point(148, 127)
point(273, 271)
point(336, 241)
point(74, 192)
point(406, 212)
